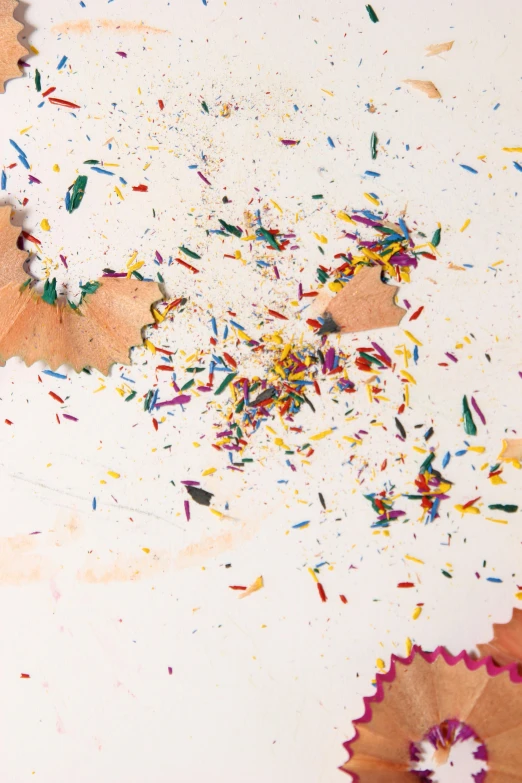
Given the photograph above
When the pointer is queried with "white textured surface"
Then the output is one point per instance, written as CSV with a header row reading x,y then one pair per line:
x,y
265,688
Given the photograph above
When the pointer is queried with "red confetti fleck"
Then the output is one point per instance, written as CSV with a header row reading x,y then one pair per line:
x,y
61,102
343,599
30,238
416,314
277,315
140,188
320,588
229,360
55,397
237,587
48,92
406,584
25,676
161,104
189,266
8,422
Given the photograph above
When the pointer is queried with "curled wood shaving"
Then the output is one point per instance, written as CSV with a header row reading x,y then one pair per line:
x,y
428,88
511,450
426,691
506,646
98,334
364,303
10,47
438,48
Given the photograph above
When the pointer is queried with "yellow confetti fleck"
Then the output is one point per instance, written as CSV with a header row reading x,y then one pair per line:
x,y
321,435
372,199
467,510
313,574
512,149
465,225
56,167
408,377
498,521
208,472
113,474
519,595
327,92
145,549
380,665
276,205
417,612
408,645
412,337
45,225
413,559
343,216
254,587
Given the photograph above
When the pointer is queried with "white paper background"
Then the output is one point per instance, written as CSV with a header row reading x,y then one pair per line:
x,y
265,688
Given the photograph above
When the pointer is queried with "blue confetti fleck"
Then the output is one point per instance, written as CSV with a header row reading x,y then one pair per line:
x,y
517,165
372,174
102,171
62,62
330,141
468,168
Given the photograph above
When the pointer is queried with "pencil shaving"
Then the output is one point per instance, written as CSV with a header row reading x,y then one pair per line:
x,y
506,646
434,49
438,699
364,303
11,50
98,334
427,87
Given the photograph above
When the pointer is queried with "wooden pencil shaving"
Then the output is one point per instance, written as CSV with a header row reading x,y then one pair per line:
x,y
428,88
436,699
506,646
11,258
434,49
11,50
364,303
98,334
511,450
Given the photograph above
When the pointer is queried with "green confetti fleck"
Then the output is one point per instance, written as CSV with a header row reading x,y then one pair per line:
x,y
318,195
77,192
373,145
435,240
205,107
91,162
131,396
469,424
371,13
230,228
268,237
189,253
222,386
38,80
49,293
446,574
